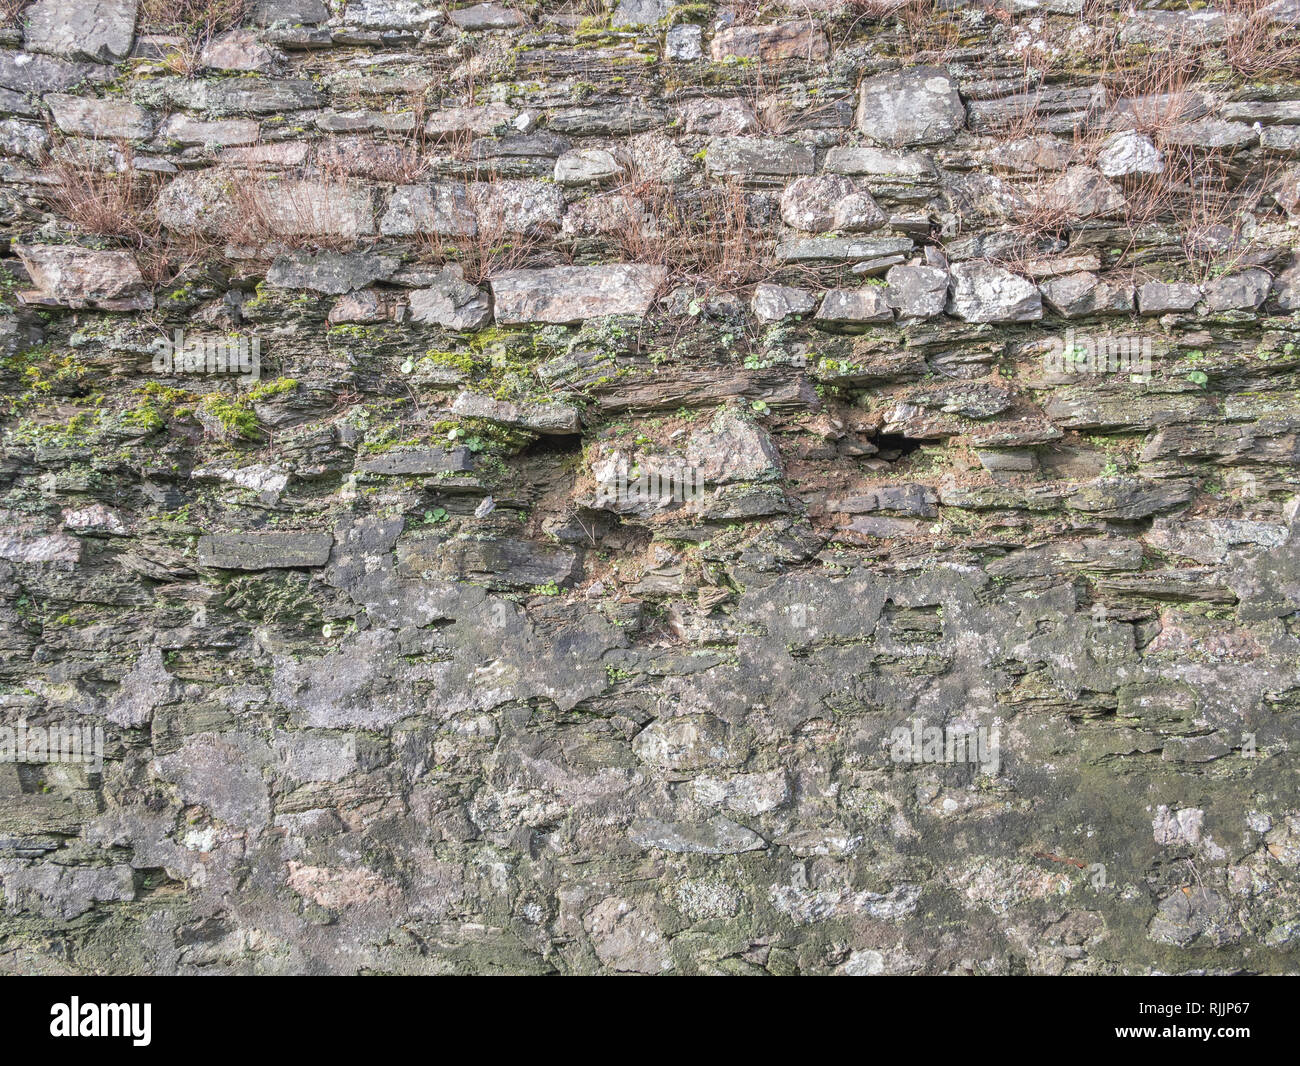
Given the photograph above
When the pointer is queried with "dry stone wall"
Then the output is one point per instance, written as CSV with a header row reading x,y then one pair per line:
x,y
805,487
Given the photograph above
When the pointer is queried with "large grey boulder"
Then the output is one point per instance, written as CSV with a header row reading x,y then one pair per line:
x,y
450,301
829,202
100,30
74,276
983,292
106,120
772,303
917,291
908,107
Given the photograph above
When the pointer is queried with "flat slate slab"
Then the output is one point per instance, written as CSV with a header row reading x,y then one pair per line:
x,y
264,551
569,295
419,462
81,29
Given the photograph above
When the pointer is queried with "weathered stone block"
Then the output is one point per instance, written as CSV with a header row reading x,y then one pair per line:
x,y
573,294
264,551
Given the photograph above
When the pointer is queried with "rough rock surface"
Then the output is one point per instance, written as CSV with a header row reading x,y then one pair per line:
x,y
650,489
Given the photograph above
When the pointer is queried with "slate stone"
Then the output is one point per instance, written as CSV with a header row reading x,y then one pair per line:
x,y
983,292
418,462
771,43
773,303
26,72
264,551
910,107
443,209
98,30
450,301
544,418
330,272
853,306
1157,297
916,291
573,294
757,158
108,120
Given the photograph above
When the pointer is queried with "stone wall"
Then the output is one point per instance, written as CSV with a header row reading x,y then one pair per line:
x,y
543,489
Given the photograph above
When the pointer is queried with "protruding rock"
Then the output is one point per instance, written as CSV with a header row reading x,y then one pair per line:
x,y
728,116
330,272
732,448
828,202
1129,152
442,209
773,303
265,551
543,418
488,16
108,120
100,30
772,42
78,277
1077,295
1082,192
854,306
757,159
451,302
318,208
982,292
573,294
1244,290
908,107
585,166
917,291
1158,297
517,206
240,49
